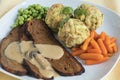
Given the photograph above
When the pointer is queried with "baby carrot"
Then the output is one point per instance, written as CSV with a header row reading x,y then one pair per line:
x,y
114,46
92,34
113,39
115,49
91,62
102,35
86,43
107,40
95,44
110,54
102,46
93,51
95,34
109,49
91,56
77,52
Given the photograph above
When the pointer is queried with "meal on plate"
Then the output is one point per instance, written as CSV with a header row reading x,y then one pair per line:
x,y
34,46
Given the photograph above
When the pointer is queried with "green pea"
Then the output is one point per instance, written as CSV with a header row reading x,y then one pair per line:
x,y
20,18
25,16
30,12
46,9
39,17
21,22
26,11
33,10
21,10
30,18
42,11
34,15
67,10
37,7
28,15
36,11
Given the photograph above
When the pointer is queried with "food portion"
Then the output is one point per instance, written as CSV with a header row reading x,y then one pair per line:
x,y
35,11
90,15
11,65
73,33
96,49
56,14
67,65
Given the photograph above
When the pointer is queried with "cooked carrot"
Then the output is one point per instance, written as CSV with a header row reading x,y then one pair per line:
x,y
91,56
93,51
95,34
107,40
113,39
92,34
91,62
102,35
115,49
102,47
77,52
95,44
107,43
109,49
110,54
114,46
74,49
86,43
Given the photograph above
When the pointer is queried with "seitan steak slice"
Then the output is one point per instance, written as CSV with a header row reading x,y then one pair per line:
x,y
41,34
32,69
8,64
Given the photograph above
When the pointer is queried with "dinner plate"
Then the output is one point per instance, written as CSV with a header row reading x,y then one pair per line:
x,y
92,72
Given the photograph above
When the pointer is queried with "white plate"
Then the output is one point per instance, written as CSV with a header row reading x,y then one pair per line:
x,y
111,26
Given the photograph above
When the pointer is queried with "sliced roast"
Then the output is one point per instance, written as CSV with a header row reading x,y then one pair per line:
x,y
6,63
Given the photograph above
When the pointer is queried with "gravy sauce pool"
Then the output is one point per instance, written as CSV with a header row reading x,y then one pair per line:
x,y
13,52
50,51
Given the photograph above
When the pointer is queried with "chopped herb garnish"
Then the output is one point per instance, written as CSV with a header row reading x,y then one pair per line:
x,y
80,11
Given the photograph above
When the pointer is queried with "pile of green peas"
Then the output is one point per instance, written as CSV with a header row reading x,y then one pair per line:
x,y
35,11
